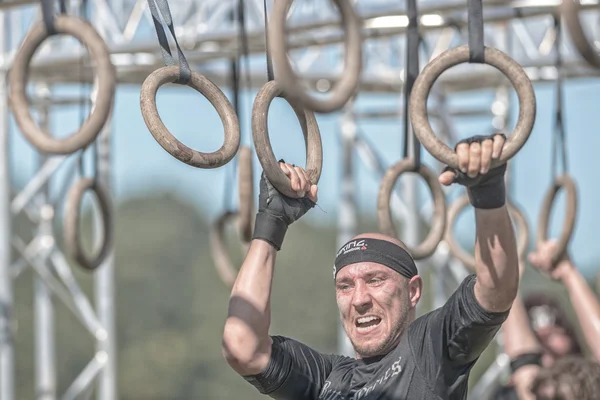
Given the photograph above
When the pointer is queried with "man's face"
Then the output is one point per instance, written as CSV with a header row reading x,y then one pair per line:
x,y
556,343
375,304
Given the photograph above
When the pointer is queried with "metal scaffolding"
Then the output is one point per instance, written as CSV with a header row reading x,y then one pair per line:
x,y
210,39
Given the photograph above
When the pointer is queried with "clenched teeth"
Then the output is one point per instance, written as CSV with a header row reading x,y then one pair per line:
x,y
364,320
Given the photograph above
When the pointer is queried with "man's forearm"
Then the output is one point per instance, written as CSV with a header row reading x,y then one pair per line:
x,y
496,259
246,334
586,307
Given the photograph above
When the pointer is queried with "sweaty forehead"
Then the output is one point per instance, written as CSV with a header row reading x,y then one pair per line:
x,y
358,270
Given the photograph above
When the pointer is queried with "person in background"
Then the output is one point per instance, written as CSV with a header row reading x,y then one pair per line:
x,y
538,336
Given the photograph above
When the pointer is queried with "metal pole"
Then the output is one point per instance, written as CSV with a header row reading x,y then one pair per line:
x,y
104,288
106,350
7,364
43,304
347,216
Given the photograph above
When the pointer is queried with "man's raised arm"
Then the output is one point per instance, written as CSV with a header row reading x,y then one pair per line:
x,y
246,341
496,256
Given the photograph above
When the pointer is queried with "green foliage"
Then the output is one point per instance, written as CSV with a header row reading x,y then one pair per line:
x,y
171,306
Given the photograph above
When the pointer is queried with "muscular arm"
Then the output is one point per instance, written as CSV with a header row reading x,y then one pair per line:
x,y
584,302
246,341
496,260
277,366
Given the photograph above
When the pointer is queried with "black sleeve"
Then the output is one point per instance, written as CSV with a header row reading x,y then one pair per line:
x,y
295,371
456,333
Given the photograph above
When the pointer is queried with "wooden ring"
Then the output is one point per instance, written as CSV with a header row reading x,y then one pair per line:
x,y
562,182
448,59
168,142
348,83
72,219
467,258
569,10
246,194
262,143
438,222
19,74
227,272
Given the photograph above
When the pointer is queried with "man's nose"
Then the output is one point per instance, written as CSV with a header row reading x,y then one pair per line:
x,y
361,298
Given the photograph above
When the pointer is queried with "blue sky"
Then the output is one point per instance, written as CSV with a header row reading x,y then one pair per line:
x,y
142,167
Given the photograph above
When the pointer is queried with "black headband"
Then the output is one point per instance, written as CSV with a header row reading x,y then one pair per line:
x,y
378,251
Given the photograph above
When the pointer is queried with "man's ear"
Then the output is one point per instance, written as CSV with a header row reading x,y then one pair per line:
x,y
415,286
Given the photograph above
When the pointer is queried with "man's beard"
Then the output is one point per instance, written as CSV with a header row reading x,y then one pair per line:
x,y
384,346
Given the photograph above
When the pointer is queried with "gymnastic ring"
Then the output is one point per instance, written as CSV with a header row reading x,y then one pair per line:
x,y
18,76
348,83
509,67
569,10
467,258
246,193
168,142
227,272
562,182
72,218
438,222
262,143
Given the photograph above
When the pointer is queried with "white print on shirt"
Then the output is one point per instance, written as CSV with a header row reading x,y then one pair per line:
x,y
394,370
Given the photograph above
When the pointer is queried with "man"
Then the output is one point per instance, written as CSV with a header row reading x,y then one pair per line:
x,y
377,290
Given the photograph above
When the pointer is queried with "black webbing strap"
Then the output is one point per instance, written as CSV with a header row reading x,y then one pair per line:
x,y
82,113
48,14
184,69
559,142
270,75
413,40
244,40
475,26
235,86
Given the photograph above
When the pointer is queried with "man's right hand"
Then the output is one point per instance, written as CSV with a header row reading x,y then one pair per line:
x,y
277,211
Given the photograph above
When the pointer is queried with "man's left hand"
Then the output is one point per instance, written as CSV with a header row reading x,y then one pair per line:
x,y
475,155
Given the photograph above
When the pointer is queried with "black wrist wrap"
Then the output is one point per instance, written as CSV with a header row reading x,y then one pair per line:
x,y
485,191
525,359
489,195
270,229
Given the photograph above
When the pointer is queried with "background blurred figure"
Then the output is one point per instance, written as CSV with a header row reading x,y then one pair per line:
x,y
570,378
554,331
538,334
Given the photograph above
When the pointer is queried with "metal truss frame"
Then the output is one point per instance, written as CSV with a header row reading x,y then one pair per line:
x,y
53,276
209,34
210,37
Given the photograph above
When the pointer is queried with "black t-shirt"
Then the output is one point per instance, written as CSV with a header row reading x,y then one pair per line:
x,y
432,361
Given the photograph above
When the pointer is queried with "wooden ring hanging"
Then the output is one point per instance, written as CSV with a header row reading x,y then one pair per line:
x,y
347,85
166,139
262,143
450,58
19,73
569,10
566,183
438,222
73,245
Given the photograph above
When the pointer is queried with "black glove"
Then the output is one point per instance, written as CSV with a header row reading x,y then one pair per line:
x,y
486,191
276,212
